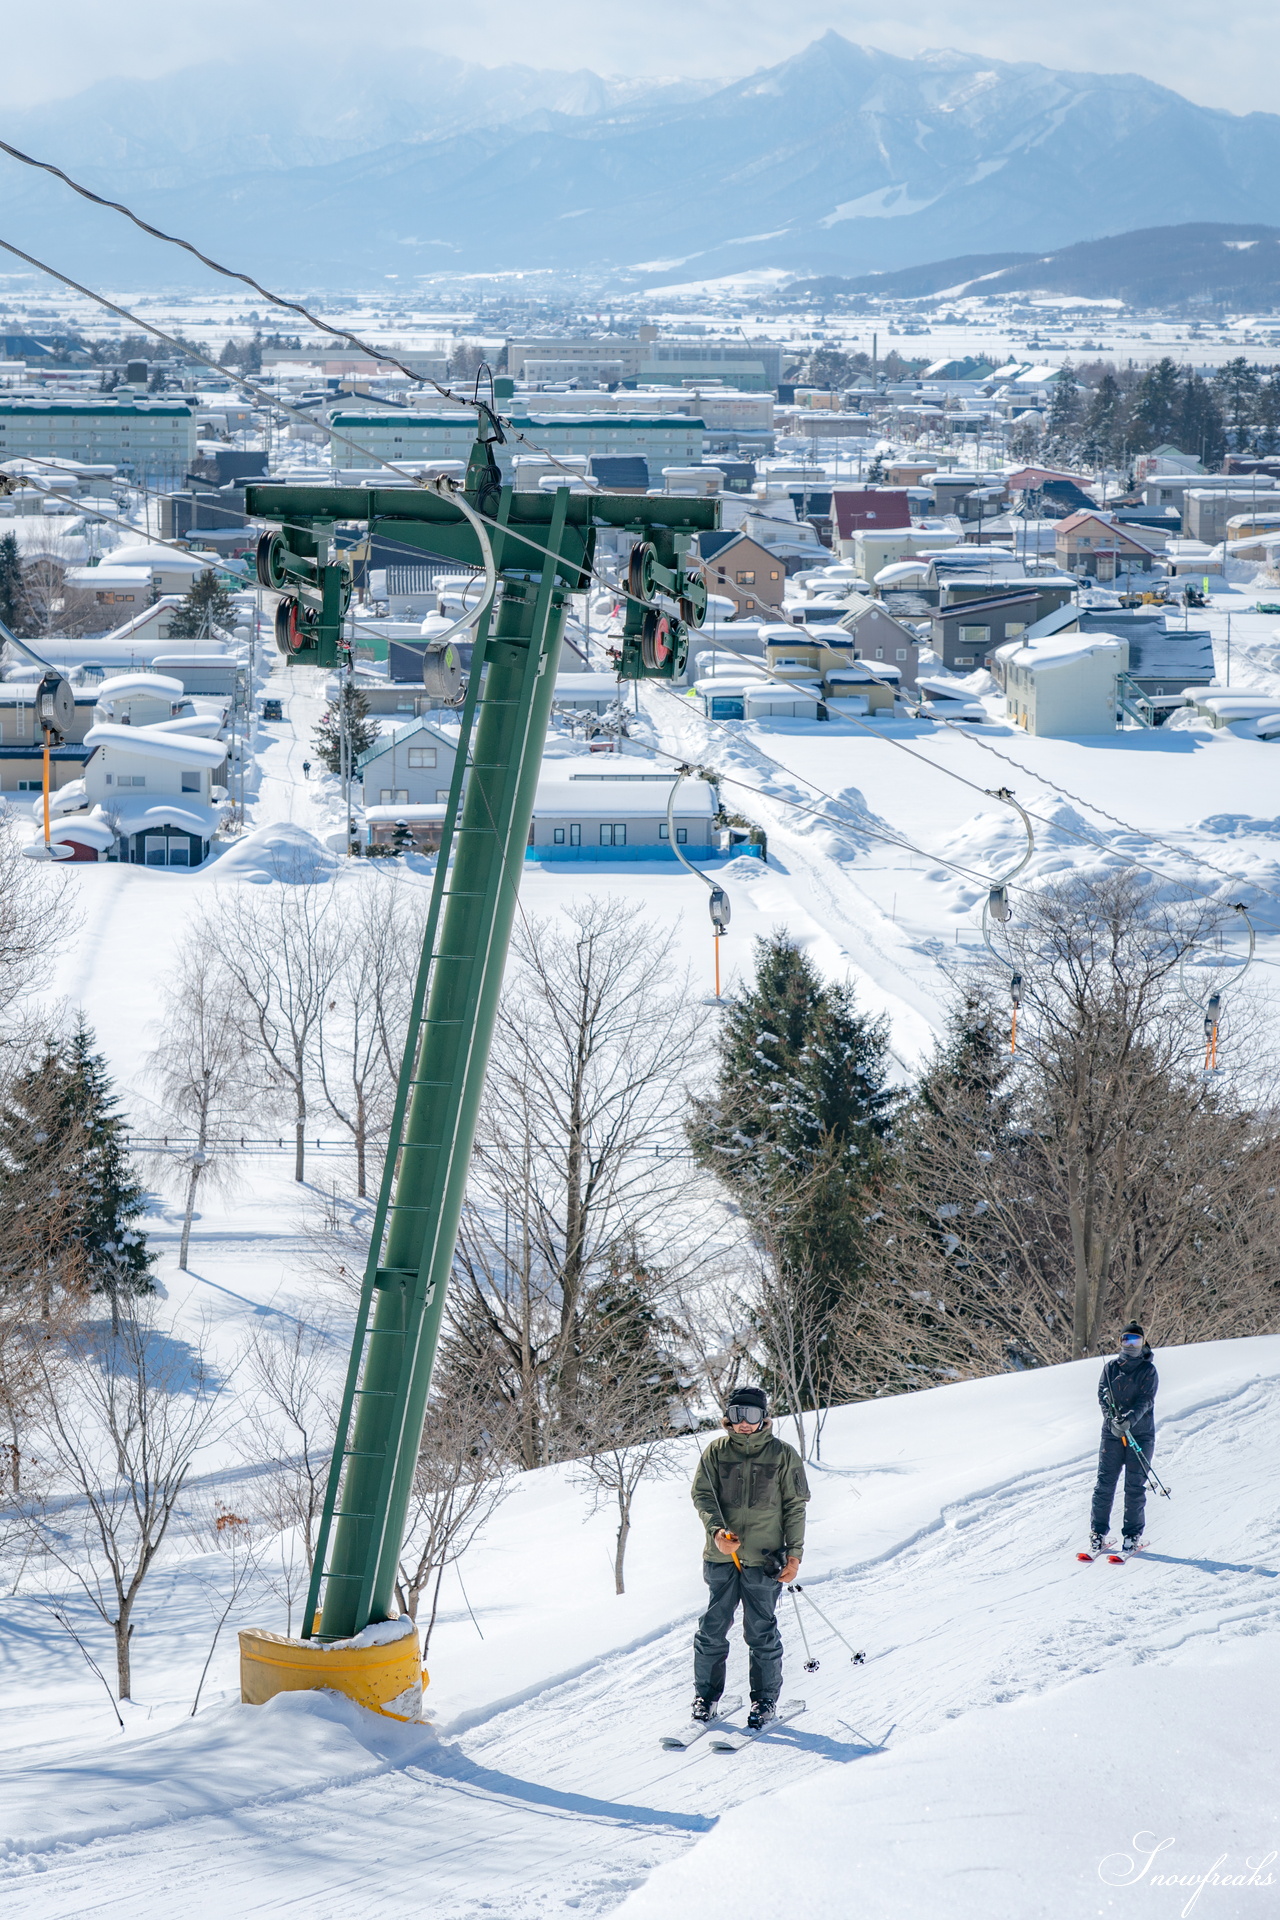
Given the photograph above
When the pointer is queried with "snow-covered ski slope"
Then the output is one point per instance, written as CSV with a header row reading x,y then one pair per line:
x,y
1020,1715
1019,1720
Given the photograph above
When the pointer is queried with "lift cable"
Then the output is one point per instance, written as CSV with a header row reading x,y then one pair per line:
x,y
278,300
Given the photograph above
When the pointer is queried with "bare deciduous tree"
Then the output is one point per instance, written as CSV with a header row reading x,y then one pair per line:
x,y
122,1432
291,1387
282,949
595,1041
360,1041
1100,1174
460,1481
200,1068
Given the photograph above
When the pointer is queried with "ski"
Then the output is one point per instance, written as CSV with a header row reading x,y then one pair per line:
x,y
685,1736
739,1737
1085,1556
1119,1559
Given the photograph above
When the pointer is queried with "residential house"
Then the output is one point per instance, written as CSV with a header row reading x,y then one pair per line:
x,y
1064,684
1092,543
832,668
866,510
411,765
742,570
141,699
597,807
22,741
149,797
965,632
880,638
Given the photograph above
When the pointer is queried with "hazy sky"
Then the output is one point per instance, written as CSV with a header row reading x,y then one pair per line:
x,y
1221,56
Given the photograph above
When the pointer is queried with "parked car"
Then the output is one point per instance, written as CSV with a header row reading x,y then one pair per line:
x,y
272,710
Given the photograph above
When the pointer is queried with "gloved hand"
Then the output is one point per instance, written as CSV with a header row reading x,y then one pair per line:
x,y
1119,1425
726,1542
789,1571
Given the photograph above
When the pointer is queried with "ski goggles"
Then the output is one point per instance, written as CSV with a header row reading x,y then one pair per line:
x,y
1132,1340
746,1416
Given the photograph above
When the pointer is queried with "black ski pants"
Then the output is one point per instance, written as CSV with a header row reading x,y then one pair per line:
x,y
1112,1456
759,1593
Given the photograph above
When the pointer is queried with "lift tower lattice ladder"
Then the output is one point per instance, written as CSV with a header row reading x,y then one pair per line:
x,y
503,726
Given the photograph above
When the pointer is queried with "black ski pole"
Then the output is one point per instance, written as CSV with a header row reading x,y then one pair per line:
x,y
810,1665
795,1588
1147,1467
1128,1440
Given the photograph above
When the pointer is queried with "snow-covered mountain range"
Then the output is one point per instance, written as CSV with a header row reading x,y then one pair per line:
x,y
842,159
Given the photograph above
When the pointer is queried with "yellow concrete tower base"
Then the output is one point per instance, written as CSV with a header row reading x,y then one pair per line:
x,y
380,1669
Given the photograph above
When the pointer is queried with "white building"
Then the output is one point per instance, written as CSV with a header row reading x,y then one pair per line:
x,y
148,439
614,807
661,439
141,699
148,797
1064,684
410,765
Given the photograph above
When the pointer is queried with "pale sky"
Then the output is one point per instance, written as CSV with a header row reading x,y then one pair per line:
x,y
1224,56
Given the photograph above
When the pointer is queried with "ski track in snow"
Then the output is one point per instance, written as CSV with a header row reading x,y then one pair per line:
x,y
565,1802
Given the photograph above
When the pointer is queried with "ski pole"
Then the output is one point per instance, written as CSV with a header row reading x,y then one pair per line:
x,y
1147,1468
810,1665
1128,1440
795,1587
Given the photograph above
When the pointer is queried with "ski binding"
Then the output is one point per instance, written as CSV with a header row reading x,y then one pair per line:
x,y
685,1736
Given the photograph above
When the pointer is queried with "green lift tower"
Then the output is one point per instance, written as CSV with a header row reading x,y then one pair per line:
x,y
535,549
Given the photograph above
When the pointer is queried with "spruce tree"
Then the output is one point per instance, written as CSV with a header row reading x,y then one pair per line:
x,y
66,1184
206,604
11,588
1106,424
1157,406
1237,388
1201,429
118,1261
1063,425
795,1127
362,731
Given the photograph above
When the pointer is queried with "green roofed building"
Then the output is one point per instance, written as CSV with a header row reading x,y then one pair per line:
x,y
672,440
147,439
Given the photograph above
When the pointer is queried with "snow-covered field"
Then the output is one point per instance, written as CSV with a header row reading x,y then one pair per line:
x,y
1021,1720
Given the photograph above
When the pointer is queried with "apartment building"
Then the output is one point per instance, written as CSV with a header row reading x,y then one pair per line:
x,y
147,439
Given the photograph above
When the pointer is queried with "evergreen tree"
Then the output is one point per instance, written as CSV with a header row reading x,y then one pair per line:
x,y
1237,388
11,589
1063,425
1157,409
795,1125
63,1152
362,731
1201,429
1269,413
401,837
875,472
205,605
1106,425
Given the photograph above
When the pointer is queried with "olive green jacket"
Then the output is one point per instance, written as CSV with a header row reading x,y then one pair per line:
x,y
754,1485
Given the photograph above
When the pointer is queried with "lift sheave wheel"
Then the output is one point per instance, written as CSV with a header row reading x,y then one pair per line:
x,y
693,599
270,562
289,634
655,640
641,581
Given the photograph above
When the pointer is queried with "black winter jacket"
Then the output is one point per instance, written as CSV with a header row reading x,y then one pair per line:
x,y
1132,1384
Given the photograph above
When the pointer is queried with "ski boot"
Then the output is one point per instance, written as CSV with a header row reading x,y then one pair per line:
x,y
703,1710
1132,1543
762,1712
1098,1543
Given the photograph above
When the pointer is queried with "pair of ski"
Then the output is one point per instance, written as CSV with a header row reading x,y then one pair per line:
x,y
1113,1559
725,1738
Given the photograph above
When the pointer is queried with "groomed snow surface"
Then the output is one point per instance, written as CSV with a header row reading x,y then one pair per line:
x,y
1021,1720
1023,1726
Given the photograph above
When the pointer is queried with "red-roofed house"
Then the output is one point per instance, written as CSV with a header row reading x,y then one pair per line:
x,y
866,510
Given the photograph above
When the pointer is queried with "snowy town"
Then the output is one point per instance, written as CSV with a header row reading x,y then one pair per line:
x,y
640,1253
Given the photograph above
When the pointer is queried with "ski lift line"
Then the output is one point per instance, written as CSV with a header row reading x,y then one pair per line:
x,y
278,300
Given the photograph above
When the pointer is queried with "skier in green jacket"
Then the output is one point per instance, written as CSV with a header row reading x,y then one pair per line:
x,y
750,1491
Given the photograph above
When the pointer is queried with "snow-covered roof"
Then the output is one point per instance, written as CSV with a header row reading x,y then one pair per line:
x,y
141,815
424,812
630,787
159,684
1061,650
206,726
145,554
158,743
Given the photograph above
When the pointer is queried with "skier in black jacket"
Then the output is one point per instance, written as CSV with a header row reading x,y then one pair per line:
x,y
1127,1396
